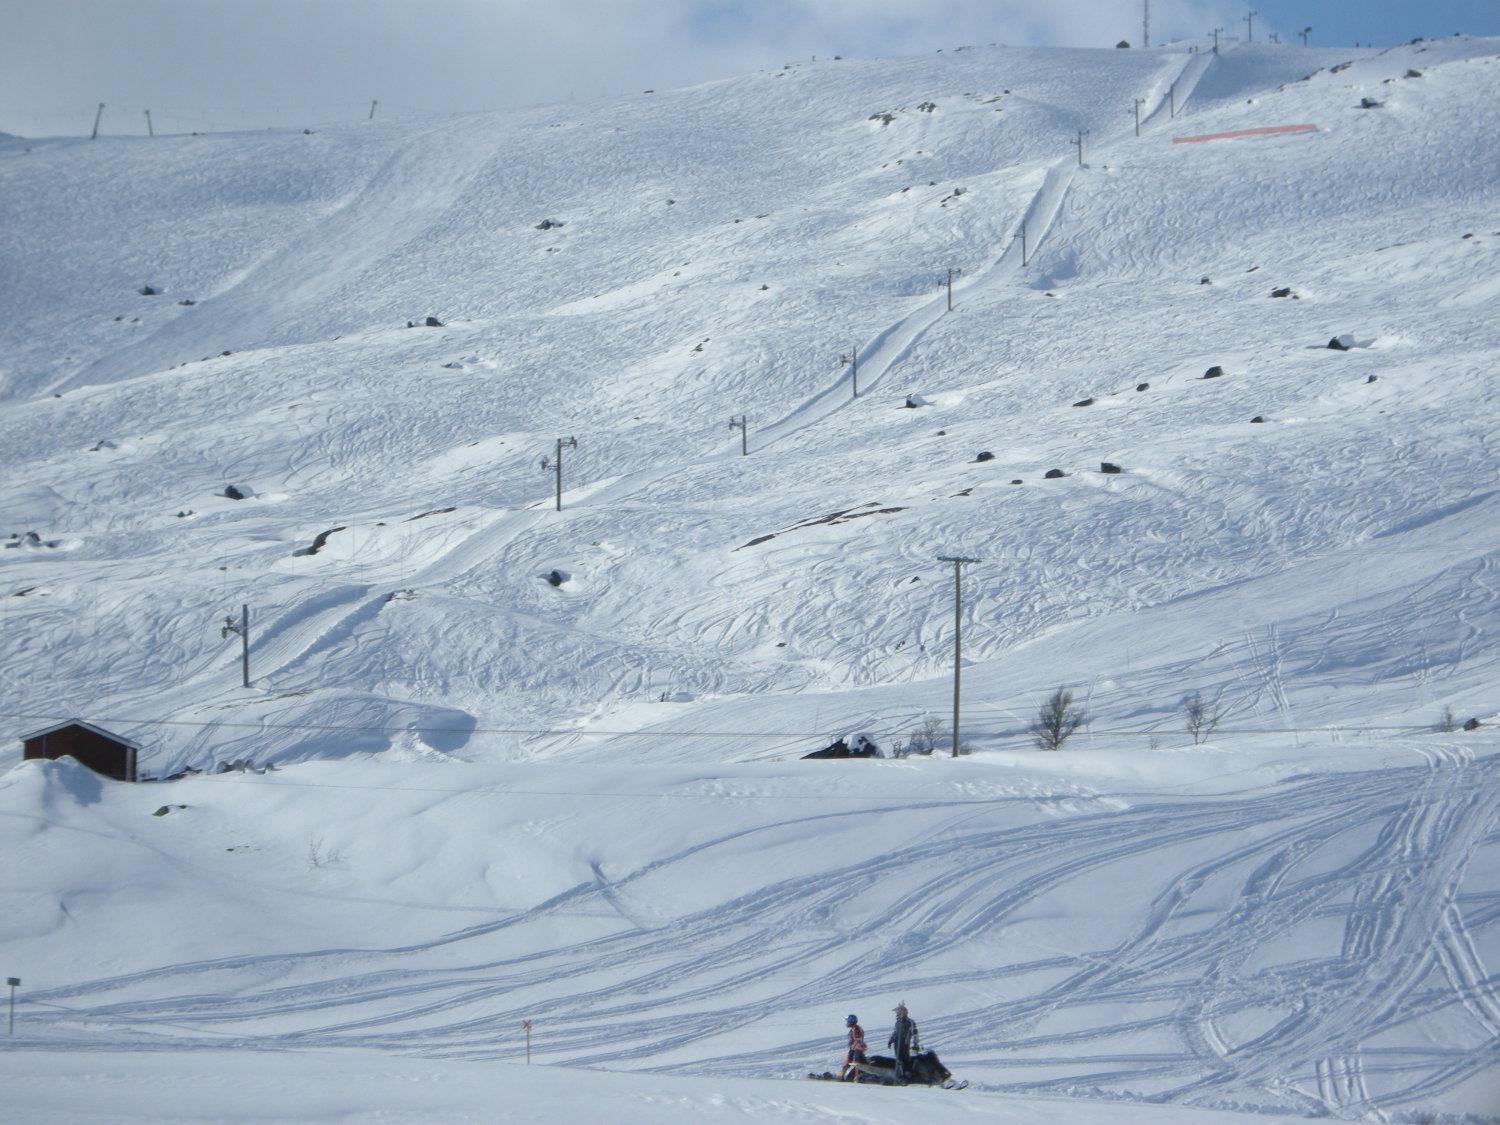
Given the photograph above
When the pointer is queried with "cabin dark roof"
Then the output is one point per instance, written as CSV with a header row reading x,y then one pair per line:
x,y
100,731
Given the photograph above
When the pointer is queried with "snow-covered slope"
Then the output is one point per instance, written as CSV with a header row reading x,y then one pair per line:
x,y
1249,923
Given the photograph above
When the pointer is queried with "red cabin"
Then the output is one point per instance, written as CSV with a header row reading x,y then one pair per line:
x,y
96,748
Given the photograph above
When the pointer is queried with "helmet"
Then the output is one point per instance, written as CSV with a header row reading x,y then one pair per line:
x,y
850,1021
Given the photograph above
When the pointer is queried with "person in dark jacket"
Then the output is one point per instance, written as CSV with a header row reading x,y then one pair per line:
x,y
903,1041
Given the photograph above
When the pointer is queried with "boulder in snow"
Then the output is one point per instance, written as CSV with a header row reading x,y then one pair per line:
x,y
1143,386
549,224
432,322
1214,372
1054,474
1109,467
1471,724
148,291
985,455
1341,343
234,492
558,577
1372,378
914,401
1284,291
1084,402
1257,419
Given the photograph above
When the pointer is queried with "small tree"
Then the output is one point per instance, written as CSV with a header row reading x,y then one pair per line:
x,y
927,737
1056,720
1201,718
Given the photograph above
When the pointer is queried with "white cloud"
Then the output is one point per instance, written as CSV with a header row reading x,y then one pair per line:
x,y
239,63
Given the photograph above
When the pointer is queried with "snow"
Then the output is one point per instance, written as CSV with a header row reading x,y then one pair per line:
x,y
583,805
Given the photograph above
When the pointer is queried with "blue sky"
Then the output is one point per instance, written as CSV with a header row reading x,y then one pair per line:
x,y
219,64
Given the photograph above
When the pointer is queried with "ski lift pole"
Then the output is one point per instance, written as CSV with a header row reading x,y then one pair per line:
x,y
14,983
526,1027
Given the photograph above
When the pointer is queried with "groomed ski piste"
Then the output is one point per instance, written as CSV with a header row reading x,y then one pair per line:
x,y
498,799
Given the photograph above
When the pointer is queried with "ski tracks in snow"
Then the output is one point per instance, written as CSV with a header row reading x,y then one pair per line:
x,y
1221,959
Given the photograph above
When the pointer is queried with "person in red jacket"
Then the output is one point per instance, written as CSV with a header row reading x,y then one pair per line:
x,y
856,1054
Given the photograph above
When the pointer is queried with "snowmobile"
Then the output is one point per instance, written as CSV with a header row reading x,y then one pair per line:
x,y
923,1070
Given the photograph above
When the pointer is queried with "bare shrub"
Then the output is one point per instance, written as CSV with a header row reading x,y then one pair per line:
x,y
319,854
1056,720
928,736
1201,717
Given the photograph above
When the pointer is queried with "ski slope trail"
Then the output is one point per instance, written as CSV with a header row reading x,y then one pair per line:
x,y
1199,1000
876,359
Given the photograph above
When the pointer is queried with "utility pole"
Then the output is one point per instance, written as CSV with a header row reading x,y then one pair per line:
x,y
373,104
958,623
1081,134
555,463
1145,23
242,627
1305,32
150,132
1138,102
740,424
1216,39
1250,26
98,114
14,982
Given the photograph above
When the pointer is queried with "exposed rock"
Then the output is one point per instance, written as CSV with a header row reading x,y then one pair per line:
x,y
148,291
857,746
1285,291
234,493
549,224
1054,474
1214,372
1471,724
1016,481
558,577
914,401
1370,103
985,455
1414,73
926,107
432,322
1143,386
1341,343
1205,281
1123,44
1258,418
1372,378
1109,467
1084,402
184,301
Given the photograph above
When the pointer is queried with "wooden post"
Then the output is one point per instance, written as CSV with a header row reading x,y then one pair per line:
x,y
950,288
150,132
14,983
373,104
98,114
958,621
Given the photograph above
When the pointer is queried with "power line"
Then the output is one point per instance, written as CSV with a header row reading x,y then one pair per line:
x,y
1345,728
